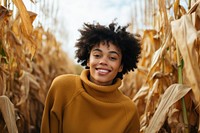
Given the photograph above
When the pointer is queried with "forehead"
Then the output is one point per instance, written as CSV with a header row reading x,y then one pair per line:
x,y
108,46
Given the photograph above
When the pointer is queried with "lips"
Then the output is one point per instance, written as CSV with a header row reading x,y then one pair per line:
x,y
102,71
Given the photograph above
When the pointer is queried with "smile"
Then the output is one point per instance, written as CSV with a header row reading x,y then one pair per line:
x,y
103,71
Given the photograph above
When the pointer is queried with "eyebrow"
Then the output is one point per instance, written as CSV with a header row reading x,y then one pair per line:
x,y
111,52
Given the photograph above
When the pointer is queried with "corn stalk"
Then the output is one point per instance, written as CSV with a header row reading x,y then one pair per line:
x,y
180,69
180,64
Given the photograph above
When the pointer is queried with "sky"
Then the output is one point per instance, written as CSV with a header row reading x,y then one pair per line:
x,y
76,12
65,17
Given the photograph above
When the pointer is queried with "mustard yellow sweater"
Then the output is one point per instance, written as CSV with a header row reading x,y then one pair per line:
x,y
76,105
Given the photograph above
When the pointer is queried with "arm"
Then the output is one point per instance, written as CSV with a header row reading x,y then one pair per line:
x,y
60,93
134,124
50,122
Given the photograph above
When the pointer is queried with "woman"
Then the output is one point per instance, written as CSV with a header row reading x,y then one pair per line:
x,y
91,102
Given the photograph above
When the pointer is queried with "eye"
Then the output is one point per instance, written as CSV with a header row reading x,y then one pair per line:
x,y
113,58
97,55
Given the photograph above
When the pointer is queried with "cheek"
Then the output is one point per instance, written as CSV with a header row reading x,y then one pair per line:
x,y
91,61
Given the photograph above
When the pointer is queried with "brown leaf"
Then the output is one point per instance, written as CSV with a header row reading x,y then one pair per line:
x,y
176,8
194,7
173,93
197,20
8,112
185,35
4,13
24,15
32,16
2,82
25,87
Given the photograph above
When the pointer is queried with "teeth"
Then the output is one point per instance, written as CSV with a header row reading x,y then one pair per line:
x,y
103,71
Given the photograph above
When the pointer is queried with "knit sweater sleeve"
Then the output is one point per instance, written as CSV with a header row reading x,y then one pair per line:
x,y
59,94
134,124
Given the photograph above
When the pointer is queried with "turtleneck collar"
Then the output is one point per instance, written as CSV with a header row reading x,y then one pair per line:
x,y
103,93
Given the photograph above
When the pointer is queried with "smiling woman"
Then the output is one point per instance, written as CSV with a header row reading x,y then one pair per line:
x,y
104,63
107,53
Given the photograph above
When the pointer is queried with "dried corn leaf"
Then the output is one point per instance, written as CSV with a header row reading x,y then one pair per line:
x,y
8,112
4,17
32,16
173,93
194,7
176,8
129,85
28,90
14,51
159,53
149,104
15,27
2,87
25,87
173,118
2,82
162,6
143,91
4,13
197,22
24,15
147,48
29,41
182,10
185,35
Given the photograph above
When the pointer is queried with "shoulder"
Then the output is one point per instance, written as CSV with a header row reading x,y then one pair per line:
x,y
65,83
65,79
64,88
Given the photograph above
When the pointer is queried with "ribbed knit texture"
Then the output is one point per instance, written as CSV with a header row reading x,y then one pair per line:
x,y
76,105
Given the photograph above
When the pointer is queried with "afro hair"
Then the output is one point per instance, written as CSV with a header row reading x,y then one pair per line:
x,y
93,34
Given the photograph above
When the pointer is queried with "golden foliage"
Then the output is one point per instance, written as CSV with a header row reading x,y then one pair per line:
x,y
154,86
29,60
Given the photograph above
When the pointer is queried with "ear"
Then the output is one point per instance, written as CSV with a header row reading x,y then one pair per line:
x,y
88,63
120,68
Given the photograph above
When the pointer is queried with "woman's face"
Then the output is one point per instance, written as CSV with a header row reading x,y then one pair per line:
x,y
104,63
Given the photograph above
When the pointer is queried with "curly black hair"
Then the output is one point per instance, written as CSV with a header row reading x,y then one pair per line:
x,y
93,34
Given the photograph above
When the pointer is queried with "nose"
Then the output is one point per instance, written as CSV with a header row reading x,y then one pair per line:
x,y
103,61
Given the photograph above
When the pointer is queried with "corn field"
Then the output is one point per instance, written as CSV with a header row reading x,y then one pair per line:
x,y
165,86
30,59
